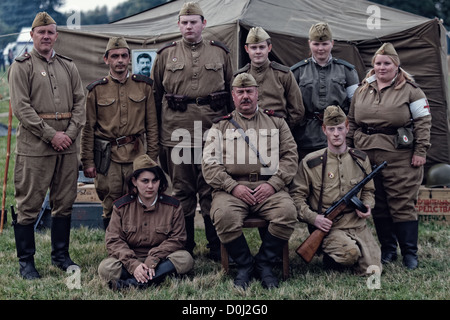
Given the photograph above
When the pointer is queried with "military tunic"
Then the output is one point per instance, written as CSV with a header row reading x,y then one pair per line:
x,y
349,240
277,90
115,110
398,184
332,84
37,87
228,161
137,234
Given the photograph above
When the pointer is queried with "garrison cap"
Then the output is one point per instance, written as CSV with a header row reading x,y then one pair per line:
x,y
387,49
333,116
244,80
320,32
143,162
42,19
257,35
191,8
117,43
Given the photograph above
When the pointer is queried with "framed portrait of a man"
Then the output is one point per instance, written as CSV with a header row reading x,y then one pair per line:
x,y
142,61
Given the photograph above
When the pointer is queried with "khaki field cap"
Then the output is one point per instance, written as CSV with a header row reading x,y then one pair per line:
x,y
387,49
320,32
256,35
116,43
244,80
42,19
191,8
333,116
143,162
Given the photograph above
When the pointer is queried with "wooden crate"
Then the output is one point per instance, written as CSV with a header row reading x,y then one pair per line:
x,y
433,204
86,193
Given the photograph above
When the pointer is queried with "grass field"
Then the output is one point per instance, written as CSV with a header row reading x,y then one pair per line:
x,y
207,283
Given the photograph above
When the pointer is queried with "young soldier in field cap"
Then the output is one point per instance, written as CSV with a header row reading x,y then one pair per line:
x,y
323,80
120,110
324,177
192,86
278,90
48,100
250,181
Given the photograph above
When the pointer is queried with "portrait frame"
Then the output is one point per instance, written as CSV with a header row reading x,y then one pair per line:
x,y
139,54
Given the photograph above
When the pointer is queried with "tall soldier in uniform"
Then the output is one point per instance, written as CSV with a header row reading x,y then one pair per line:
x,y
249,159
278,90
324,177
121,114
323,81
191,78
48,100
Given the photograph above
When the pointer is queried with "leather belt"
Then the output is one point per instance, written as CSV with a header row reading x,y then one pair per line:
x,y
56,115
124,140
252,177
371,130
201,101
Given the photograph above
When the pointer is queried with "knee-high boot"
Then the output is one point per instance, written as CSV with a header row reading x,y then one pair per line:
x,y
240,253
271,248
60,238
213,239
190,232
388,241
26,248
407,235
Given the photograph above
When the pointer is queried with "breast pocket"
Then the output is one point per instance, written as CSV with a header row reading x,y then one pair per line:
x,y
306,87
162,232
130,233
214,72
137,101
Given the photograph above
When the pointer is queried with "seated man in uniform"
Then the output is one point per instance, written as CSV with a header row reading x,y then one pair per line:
x,y
250,156
349,241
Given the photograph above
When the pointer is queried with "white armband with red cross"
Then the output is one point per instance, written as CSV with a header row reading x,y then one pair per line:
x,y
419,108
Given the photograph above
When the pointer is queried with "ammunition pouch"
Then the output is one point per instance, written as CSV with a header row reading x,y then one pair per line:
x,y
102,155
404,138
219,100
177,102
216,100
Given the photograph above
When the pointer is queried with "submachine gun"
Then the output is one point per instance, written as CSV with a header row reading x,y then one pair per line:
x,y
309,247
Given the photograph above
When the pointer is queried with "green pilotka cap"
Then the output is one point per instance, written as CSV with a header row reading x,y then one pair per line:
x,y
190,8
320,32
42,19
143,162
333,116
244,80
256,35
116,43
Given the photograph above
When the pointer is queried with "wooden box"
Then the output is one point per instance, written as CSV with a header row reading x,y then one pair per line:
x,y
86,193
433,204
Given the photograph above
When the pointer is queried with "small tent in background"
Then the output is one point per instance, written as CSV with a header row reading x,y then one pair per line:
x,y
359,28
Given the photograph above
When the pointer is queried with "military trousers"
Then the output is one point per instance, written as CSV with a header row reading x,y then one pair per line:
x,y
35,176
397,185
353,247
228,214
188,184
113,185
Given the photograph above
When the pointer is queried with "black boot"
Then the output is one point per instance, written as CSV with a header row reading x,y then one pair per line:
x,y
240,253
271,248
60,237
388,240
26,248
407,234
106,222
164,269
213,239
190,232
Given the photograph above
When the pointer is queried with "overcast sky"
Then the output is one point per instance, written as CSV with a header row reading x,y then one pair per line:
x,y
86,5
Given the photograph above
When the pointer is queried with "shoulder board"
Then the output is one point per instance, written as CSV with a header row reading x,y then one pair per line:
x,y
300,63
242,70
355,153
220,45
280,67
412,83
345,63
167,45
273,113
64,57
92,85
171,201
128,198
24,57
142,78
218,119
314,162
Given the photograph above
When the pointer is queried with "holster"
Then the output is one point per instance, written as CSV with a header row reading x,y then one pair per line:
x,y
102,155
177,102
219,100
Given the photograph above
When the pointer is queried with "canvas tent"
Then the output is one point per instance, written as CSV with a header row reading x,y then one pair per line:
x,y
359,28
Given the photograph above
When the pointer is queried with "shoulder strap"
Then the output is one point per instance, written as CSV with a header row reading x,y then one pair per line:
x,y
345,63
300,63
167,45
220,45
128,198
273,113
241,70
92,85
164,198
23,57
280,67
142,78
218,119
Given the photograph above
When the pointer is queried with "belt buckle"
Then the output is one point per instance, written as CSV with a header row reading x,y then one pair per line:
x,y
370,130
56,115
253,177
119,144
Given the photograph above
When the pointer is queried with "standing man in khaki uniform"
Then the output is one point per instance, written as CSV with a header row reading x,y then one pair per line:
x,y
120,109
192,78
323,81
48,100
278,90
349,241
251,178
